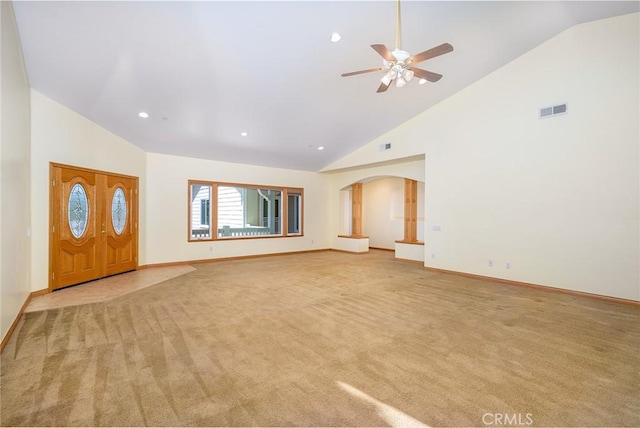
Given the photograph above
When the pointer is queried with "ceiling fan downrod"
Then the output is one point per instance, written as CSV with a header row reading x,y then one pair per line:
x,y
398,71
398,32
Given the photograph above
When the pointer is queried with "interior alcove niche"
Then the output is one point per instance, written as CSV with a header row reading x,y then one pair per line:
x,y
375,212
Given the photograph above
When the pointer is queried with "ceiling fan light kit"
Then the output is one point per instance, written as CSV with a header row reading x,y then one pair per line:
x,y
391,74
399,64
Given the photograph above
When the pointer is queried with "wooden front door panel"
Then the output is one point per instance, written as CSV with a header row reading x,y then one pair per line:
x,y
85,241
121,214
76,244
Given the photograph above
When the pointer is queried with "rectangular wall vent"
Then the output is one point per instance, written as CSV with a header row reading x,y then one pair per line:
x,y
553,110
385,146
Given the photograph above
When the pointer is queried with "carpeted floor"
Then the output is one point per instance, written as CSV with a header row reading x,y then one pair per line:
x,y
325,339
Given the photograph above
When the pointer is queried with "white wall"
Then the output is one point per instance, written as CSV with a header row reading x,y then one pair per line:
x,y
166,200
557,198
383,211
14,170
60,135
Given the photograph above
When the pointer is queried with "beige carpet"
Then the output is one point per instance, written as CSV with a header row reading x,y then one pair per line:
x,y
325,339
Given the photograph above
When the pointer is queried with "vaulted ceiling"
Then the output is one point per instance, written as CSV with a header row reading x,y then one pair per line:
x,y
206,72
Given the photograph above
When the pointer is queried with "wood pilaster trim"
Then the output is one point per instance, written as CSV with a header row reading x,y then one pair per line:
x,y
410,210
356,209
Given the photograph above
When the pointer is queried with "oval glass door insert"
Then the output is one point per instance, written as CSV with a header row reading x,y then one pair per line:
x,y
118,211
78,210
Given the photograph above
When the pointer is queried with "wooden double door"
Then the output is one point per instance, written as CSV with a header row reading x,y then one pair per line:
x,y
94,225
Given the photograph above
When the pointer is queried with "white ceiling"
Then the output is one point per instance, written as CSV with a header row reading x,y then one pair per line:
x,y
207,71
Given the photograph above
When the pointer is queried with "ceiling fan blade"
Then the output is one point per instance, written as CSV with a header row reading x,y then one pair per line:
x,y
424,74
384,52
431,53
353,73
383,87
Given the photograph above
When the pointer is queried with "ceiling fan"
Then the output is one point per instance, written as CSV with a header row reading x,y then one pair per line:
x,y
400,65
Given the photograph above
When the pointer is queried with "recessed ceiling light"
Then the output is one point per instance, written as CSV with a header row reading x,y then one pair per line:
x,y
335,37
143,114
244,134
321,148
422,81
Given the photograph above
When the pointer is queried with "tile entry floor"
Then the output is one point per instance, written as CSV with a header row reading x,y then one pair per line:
x,y
105,289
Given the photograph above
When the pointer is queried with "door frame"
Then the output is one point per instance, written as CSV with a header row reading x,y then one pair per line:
x,y
54,217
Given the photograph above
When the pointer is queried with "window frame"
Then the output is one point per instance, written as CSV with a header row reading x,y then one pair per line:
x,y
300,197
285,191
212,200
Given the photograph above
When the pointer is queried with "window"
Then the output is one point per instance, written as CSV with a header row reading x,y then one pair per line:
x,y
294,213
205,212
248,211
199,211
243,211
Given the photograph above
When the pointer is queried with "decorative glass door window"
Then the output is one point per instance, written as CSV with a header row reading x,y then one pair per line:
x,y
119,211
78,210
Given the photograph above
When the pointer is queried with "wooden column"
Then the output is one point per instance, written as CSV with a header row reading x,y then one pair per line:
x,y
410,210
356,210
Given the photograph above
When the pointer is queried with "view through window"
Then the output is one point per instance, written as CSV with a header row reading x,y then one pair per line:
x,y
243,211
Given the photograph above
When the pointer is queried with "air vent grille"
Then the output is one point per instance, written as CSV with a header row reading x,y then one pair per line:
x,y
562,108
553,111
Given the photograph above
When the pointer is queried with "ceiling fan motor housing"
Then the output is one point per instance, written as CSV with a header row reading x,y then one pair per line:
x,y
401,56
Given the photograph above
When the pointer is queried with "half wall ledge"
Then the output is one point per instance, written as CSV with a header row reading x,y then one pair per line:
x,y
410,250
352,244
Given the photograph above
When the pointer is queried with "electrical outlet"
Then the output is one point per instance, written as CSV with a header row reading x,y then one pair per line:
x,y
490,263
433,255
508,265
